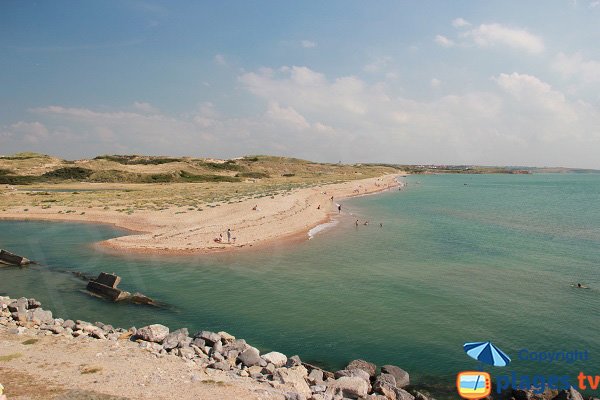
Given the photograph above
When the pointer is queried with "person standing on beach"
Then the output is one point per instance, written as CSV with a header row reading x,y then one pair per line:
x,y
339,208
356,223
228,235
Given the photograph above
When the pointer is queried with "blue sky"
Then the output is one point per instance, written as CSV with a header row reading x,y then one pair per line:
x,y
461,82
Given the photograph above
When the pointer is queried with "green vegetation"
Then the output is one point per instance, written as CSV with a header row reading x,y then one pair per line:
x,y
30,341
138,160
256,175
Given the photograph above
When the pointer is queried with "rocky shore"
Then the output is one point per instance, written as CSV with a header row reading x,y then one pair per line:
x,y
219,352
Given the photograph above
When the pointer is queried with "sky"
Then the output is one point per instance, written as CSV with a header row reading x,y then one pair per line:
x,y
417,82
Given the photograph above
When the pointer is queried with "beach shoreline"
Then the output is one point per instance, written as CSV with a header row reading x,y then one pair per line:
x,y
280,218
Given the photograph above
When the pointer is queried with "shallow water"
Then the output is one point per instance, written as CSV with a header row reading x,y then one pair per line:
x,y
490,260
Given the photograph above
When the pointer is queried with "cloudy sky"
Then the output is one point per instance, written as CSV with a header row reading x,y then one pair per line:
x,y
506,82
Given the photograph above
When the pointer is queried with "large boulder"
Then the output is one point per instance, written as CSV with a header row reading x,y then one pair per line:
x,y
386,385
20,306
402,377
368,367
350,386
39,316
173,339
294,379
250,357
402,394
356,373
209,337
275,358
153,333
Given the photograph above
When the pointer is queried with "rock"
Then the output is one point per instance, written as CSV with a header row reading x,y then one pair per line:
x,y
33,303
57,329
173,339
208,337
268,370
315,377
97,334
255,370
153,333
420,396
351,387
402,377
277,359
294,361
570,394
39,316
402,394
356,373
217,348
68,324
294,396
226,337
200,343
318,388
368,367
238,344
19,305
385,384
293,378
221,365
250,357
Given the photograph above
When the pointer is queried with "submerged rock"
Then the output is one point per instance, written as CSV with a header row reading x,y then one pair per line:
x,y
402,377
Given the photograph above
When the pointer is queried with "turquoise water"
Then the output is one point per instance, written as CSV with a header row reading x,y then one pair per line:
x,y
490,260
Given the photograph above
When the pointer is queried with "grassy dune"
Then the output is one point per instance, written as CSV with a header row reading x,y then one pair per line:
x,y
130,183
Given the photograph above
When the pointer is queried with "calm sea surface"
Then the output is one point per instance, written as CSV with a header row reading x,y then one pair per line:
x,y
459,258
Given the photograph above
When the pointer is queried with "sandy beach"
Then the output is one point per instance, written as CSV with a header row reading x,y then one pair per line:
x,y
180,230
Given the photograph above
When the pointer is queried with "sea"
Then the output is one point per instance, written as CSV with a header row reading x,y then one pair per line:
x,y
447,260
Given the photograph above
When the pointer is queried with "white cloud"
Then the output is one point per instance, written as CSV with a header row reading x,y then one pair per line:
x,y
145,107
490,35
220,60
594,4
287,115
574,66
435,83
444,41
378,64
460,23
304,113
308,44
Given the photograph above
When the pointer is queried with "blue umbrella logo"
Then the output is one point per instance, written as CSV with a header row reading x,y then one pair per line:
x,y
487,353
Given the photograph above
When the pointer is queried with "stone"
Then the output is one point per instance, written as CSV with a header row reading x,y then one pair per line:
x,y
153,333
385,384
19,305
217,348
17,331
366,366
208,336
33,303
12,259
293,378
402,377
276,358
269,369
293,361
351,387
316,376
318,388
294,396
173,339
69,324
402,394
39,316
355,373
198,343
238,344
187,353
226,337
221,365
250,357
570,394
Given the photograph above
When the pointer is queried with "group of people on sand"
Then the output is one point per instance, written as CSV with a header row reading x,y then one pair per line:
x,y
230,238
